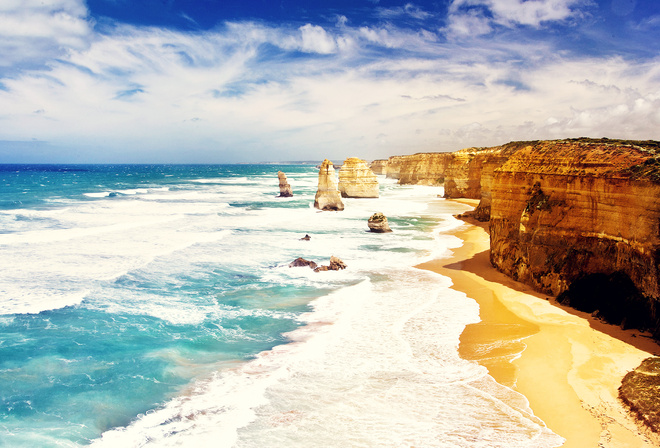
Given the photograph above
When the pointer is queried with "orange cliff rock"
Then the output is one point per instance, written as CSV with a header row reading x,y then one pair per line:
x,y
356,180
563,209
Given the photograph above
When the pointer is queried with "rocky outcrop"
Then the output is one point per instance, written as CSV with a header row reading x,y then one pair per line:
x,y
640,390
335,265
565,209
285,188
302,263
356,180
327,195
378,223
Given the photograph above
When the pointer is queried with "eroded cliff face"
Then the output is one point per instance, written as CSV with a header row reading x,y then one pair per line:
x,y
564,212
379,166
484,164
563,209
356,180
423,168
392,169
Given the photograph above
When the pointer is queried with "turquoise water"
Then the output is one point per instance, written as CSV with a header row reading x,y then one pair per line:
x,y
154,305
116,347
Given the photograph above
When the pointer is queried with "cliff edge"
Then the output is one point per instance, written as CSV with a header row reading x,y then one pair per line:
x,y
562,210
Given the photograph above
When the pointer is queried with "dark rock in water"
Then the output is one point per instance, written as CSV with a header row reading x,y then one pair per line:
x,y
285,188
613,298
640,390
335,265
306,238
301,262
378,223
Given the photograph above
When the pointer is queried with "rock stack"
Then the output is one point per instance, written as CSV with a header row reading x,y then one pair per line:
x,y
356,180
327,195
285,188
378,223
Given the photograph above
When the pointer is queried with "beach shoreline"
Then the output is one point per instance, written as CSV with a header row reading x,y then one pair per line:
x,y
567,364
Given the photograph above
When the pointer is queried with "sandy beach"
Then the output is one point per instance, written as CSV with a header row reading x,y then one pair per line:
x,y
568,364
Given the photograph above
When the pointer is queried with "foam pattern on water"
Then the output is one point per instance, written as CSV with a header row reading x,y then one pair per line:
x,y
155,305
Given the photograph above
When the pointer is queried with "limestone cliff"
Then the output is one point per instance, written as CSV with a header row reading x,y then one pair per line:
x,y
567,208
327,194
474,178
356,180
423,168
392,169
564,210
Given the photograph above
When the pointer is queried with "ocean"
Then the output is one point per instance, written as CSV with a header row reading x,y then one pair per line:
x,y
153,305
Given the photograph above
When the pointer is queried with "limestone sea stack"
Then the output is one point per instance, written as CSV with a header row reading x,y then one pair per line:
x,y
285,188
378,223
356,180
379,166
327,195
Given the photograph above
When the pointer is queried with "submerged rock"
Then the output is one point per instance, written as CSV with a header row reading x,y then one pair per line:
x,y
285,188
327,195
301,262
640,390
378,223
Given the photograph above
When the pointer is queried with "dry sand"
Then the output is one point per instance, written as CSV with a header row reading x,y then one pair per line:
x,y
568,364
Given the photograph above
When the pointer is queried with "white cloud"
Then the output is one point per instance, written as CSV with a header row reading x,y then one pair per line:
x,y
376,92
532,12
476,17
470,23
316,40
409,9
34,30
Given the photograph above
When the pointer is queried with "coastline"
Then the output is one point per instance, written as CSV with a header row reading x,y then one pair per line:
x,y
566,363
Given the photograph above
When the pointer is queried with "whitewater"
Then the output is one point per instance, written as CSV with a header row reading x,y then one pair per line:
x,y
154,306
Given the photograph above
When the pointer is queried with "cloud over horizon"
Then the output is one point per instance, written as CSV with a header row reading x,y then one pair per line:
x,y
254,90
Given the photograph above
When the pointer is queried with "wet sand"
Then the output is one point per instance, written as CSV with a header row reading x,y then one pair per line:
x,y
568,364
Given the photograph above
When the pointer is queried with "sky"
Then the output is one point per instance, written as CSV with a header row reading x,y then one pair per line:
x,y
231,81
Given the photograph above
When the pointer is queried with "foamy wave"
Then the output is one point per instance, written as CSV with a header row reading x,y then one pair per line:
x,y
378,361
36,300
127,192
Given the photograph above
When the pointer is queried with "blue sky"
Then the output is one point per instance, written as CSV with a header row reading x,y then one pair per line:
x,y
209,81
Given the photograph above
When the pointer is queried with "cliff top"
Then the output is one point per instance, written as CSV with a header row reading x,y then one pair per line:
x,y
586,157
